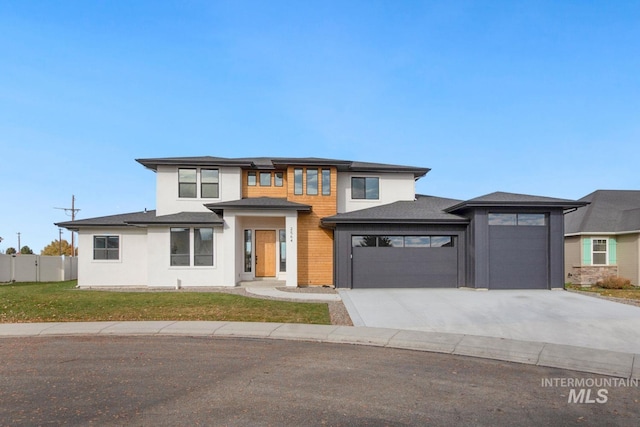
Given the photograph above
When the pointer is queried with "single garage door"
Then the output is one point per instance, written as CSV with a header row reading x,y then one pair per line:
x,y
404,262
518,251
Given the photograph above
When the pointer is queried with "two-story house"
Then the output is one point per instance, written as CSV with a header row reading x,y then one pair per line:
x,y
310,221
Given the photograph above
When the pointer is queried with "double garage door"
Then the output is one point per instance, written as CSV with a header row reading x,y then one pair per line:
x,y
404,262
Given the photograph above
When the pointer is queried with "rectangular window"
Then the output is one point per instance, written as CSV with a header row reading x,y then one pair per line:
x,y
326,182
283,250
187,184
106,247
521,219
248,251
599,250
265,179
403,241
531,219
251,179
180,254
209,183
297,181
503,219
277,179
312,182
203,246
365,188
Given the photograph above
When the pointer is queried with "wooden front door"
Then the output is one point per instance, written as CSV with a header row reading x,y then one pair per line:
x,y
265,253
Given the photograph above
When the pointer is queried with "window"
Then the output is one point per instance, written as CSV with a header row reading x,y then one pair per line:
x,y
187,184
283,250
297,181
248,251
312,182
599,251
326,182
277,179
203,246
209,183
521,219
365,188
106,247
265,179
180,254
251,179
402,241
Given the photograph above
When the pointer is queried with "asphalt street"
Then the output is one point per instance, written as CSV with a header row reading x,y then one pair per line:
x,y
109,380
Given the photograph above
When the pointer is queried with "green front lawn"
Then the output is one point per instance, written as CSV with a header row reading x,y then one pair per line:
x,y
61,302
632,293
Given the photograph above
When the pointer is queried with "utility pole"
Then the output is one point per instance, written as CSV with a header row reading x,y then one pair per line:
x,y
59,241
71,211
18,242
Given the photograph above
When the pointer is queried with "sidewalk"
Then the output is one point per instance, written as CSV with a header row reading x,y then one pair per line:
x,y
616,364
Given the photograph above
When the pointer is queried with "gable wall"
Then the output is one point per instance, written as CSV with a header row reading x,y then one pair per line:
x,y
628,257
394,187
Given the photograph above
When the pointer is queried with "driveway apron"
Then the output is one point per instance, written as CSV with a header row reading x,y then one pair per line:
x,y
558,317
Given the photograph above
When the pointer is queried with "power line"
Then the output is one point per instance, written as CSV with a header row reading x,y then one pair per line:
x,y
72,212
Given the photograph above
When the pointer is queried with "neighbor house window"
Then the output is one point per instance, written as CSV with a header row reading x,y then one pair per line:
x,y
599,251
283,250
251,179
277,179
248,251
365,188
326,182
297,181
521,219
180,254
203,246
312,182
210,183
187,183
106,247
265,179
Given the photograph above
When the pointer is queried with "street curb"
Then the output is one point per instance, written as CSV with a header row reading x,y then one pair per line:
x,y
611,363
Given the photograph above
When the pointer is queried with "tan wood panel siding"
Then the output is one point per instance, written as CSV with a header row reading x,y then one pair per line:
x,y
260,191
315,244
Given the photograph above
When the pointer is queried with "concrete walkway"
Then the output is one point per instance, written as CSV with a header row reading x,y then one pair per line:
x,y
617,364
273,292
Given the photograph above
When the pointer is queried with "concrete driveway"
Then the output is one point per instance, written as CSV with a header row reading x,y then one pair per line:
x,y
558,317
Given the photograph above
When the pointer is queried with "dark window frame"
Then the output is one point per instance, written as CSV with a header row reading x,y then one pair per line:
x,y
298,181
312,182
264,174
366,185
184,186
278,179
206,184
252,182
326,182
108,252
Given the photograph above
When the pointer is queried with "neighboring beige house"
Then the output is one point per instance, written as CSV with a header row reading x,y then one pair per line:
x,y
603,239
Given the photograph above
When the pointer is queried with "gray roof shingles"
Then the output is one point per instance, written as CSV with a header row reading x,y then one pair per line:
x,y
425,209
609,211
259,203
144,218
500,198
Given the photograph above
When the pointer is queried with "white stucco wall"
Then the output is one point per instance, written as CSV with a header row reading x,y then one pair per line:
x,y
129,270
393,187
168,202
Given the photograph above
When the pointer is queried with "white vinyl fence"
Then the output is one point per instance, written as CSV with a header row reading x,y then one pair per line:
x,y
37,268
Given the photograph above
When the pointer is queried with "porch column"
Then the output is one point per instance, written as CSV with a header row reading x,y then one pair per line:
x,y
227,250
291,226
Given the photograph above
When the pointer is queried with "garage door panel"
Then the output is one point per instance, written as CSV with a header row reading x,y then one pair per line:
x,y
518,257
404,267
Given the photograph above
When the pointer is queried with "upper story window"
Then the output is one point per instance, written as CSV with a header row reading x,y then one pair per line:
x,y
187,183
265,179
210,183
106,247
326,182
251,179
297,181
277,179
599,251
312,182
365,188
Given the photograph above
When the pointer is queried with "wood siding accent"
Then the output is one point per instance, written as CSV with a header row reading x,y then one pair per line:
x,y
315,244
265,253
260,191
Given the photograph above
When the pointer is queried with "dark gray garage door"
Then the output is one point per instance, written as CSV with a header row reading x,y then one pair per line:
x,y
519,256
419,265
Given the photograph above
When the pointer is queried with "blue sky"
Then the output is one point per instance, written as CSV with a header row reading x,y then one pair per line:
x,y
530,97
